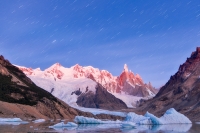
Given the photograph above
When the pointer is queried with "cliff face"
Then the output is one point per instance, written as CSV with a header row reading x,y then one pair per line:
x,y
181,92
133,84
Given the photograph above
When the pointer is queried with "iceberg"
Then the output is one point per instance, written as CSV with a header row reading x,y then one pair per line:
x,y
152,120
87,120
171,116
10,120
133,117
39,120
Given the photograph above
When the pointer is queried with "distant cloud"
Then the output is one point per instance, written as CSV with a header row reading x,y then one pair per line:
x,y
53,41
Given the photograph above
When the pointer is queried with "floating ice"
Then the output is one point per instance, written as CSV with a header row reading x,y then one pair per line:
x,y
152,119
10,120
39,120
170,117
133,117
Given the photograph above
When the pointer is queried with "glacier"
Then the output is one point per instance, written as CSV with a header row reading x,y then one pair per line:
x,y
87,120
95,111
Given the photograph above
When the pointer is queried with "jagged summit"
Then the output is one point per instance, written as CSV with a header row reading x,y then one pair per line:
x,y
56,65
125,68
185,71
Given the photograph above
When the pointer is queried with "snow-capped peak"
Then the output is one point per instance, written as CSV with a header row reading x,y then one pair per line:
x,y
54,66
38,69
125,68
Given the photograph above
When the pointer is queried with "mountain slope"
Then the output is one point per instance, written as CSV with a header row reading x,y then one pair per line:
x,y
100,99
61,82
20,97
181,92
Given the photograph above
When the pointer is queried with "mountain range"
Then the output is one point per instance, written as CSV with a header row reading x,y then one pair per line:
x,y
77,82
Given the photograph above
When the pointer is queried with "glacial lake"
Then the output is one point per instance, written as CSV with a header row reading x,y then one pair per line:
x,y
16,127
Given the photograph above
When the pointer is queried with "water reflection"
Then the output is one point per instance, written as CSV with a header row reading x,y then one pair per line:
x,y
165,128
153,128
104,128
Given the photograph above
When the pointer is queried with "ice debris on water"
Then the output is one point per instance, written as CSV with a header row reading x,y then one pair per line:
x,y
39,120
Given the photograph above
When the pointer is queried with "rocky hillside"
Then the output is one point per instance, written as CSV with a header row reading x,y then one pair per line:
x,y
20,97
181,92
101,99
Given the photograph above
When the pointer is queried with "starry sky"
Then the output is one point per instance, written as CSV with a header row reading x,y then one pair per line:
x,y
152,37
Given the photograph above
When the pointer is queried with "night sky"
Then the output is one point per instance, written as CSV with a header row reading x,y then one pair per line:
x,y
152,37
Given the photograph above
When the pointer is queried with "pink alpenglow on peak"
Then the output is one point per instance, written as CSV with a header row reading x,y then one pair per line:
x,y
55,71
123,86
127,82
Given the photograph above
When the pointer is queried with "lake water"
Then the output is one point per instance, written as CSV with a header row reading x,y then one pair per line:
x,y
98,128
